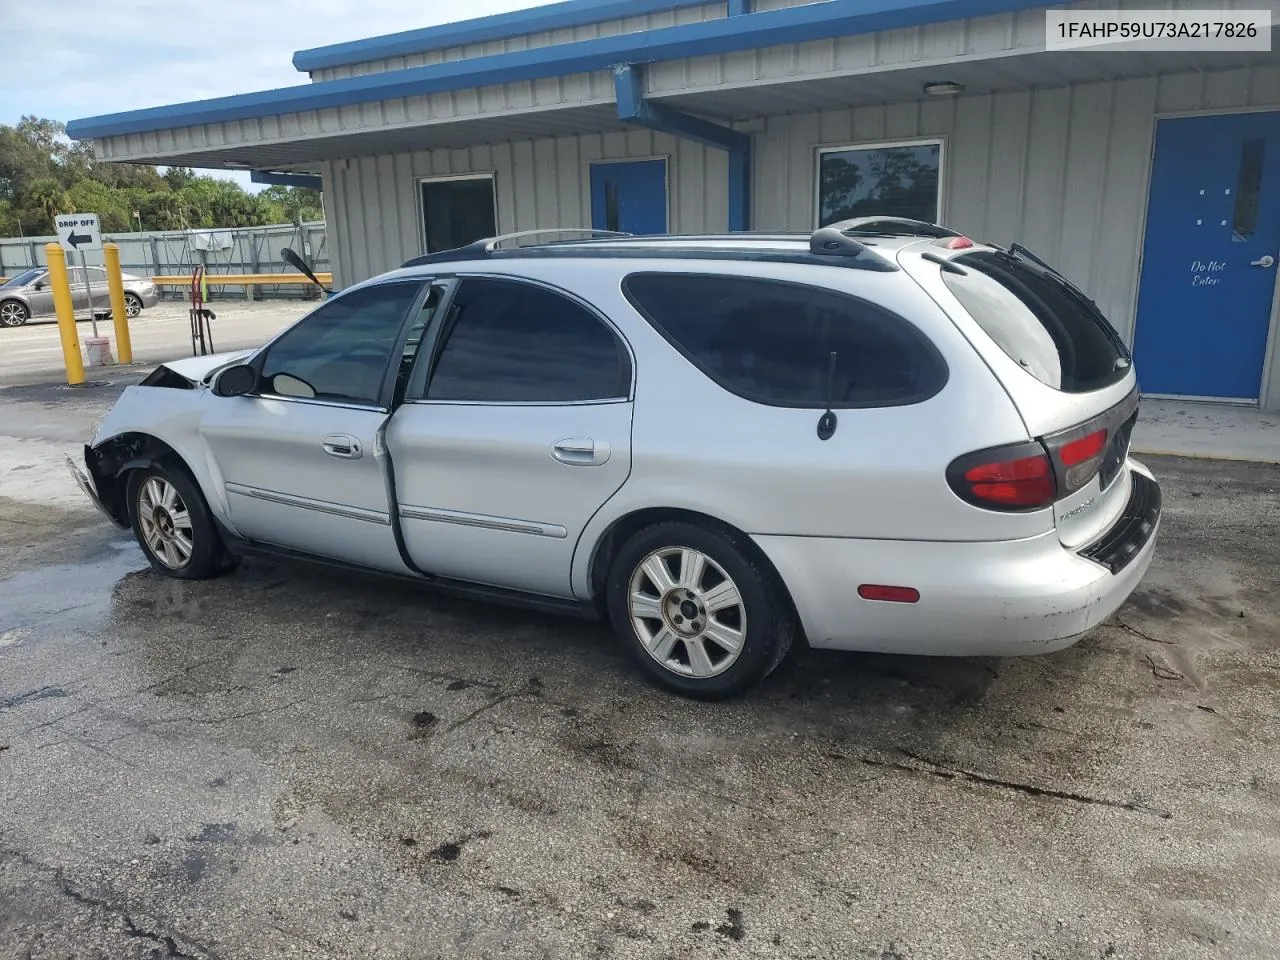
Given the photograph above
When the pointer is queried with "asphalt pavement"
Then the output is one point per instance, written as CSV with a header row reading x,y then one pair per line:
x,y
290,762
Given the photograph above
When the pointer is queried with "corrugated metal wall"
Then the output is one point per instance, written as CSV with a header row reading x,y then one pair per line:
x,y
374,207
1061,170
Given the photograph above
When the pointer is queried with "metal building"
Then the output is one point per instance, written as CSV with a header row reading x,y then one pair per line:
x,y
1152,179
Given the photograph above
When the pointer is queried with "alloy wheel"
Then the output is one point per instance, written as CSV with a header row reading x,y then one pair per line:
x,y
687,612
132,306
12,314
166,523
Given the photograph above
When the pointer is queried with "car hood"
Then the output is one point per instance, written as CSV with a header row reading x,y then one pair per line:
x,y
196,369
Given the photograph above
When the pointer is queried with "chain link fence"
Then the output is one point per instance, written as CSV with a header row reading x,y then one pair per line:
x,y
179,252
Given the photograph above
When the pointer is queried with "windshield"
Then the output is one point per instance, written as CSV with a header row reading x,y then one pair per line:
x,y
1039,319
22,279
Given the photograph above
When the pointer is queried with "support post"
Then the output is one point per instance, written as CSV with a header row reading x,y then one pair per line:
x,y
61,286
628,84
119,313
740,189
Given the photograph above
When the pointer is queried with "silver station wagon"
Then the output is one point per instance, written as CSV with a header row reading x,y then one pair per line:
x,y
881,436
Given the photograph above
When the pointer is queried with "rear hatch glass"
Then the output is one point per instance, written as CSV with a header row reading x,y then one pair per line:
x,y
1055,333
1044,323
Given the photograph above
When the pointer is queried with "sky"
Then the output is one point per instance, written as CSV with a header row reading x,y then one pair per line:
x,y
83,58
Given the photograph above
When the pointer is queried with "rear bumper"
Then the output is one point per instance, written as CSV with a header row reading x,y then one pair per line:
x,y
1007,598
149,294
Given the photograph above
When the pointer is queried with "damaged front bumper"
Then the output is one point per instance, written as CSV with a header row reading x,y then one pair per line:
x,y
82,477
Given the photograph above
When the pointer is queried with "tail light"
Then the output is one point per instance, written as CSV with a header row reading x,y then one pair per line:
x,y
1017,477
1082,458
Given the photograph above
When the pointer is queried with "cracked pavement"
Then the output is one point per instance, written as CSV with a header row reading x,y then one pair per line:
x,y
290,762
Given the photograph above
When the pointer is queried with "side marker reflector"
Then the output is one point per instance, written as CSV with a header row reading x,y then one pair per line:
x,y
876,591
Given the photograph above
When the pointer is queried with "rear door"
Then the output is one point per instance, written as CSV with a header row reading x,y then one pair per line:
x,y
515,431
1060,360
99,291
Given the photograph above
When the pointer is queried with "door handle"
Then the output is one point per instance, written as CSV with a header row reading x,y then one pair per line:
x,y
341,446
580,452
1264,261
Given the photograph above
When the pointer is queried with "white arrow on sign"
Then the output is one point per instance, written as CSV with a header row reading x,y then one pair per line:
x,y
79,231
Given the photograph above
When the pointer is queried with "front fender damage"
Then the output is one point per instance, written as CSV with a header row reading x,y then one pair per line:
x,y
147,426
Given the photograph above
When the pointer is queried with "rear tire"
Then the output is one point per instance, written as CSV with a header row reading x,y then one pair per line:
x,y
14,313
173,525
700,613
132,305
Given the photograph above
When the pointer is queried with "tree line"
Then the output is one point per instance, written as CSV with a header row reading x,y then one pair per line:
x,y
43,174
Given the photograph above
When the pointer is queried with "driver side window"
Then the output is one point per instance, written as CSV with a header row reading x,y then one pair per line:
x,y
341,351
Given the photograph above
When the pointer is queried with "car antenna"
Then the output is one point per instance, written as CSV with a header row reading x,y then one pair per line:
x,y
827,422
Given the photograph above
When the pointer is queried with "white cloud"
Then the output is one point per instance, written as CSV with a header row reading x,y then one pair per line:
x,y
83,58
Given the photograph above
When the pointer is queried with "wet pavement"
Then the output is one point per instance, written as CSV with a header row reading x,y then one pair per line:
x,y
287,762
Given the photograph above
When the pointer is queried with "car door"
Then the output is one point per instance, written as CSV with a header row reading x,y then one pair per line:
x,y
76,277
302,459
516,429
40,296
100,294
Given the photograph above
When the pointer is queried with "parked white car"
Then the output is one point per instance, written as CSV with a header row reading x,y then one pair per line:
x,y
881,437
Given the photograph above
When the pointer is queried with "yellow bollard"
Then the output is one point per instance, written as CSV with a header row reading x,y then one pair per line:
x,y
119,315
66,313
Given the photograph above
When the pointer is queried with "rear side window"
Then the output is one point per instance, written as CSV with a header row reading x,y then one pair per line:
x,y
771,342
512,342
1051,329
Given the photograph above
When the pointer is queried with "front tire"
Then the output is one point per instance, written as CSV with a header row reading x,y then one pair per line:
x,y
14,313
172,524
700,613
132,305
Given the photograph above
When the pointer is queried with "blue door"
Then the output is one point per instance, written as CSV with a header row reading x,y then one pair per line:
x,y
629,196
1209,260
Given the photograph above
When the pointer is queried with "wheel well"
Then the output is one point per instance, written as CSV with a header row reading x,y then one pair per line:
x,y
113,460
624,528
17,301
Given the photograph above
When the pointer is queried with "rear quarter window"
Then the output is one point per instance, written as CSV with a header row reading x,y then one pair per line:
x,y
1047,326
771,341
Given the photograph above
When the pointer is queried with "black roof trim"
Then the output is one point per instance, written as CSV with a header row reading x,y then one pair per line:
x,y
869,261
826,247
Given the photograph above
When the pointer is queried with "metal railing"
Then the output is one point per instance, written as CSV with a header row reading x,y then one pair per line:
x,y
167,255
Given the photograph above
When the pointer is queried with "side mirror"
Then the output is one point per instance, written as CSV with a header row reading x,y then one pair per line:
x,y
38,285
235,381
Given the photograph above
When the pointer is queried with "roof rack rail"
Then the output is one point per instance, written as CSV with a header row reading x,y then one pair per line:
x,y
891,227
826,247
483,248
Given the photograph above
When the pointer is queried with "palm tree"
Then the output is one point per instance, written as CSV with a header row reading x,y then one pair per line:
x,y
46,199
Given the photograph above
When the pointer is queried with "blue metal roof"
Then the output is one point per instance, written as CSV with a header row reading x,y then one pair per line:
x,y
553,16
813,21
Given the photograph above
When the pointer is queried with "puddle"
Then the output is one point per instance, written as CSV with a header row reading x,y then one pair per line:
x,y
65,596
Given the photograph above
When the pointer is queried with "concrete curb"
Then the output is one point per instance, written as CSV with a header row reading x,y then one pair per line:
x,y
1234,458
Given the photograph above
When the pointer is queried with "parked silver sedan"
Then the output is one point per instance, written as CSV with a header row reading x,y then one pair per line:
x,y
859,440
29,294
